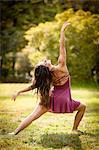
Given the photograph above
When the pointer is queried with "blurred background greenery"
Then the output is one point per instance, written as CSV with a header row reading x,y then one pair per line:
x,y
30,30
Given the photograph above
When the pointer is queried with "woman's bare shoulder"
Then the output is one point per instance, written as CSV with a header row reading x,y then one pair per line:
x,y
54,67
57,67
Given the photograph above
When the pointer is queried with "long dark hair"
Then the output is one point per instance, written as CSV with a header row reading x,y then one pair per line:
x,y
43,80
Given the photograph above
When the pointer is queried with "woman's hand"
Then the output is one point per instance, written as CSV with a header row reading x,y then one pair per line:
x,y
51,91
64,26
15,96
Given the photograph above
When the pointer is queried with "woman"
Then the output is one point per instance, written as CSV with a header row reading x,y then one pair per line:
x,y
56,99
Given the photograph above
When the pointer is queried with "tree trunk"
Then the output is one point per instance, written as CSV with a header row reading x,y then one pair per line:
x,y
13,65
1,62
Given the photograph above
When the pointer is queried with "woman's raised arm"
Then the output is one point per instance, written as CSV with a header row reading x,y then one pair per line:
x,y
62,55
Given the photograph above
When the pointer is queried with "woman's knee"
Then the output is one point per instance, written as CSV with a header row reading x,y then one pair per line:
x,y
81,107
39,111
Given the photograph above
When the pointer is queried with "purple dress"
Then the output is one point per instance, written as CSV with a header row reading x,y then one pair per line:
x,y
61,101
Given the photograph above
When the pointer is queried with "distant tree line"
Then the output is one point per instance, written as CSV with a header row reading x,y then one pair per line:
x,y
20,51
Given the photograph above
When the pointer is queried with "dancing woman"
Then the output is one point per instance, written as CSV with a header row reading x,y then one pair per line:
x,y
53,84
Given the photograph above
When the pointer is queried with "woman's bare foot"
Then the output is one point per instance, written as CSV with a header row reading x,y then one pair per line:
x,y
77,131
12,133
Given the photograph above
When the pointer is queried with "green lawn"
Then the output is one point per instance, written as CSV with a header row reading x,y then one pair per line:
x,y
51,131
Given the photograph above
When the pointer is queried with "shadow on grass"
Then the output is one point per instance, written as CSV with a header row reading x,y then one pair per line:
x,y
61,140
92,135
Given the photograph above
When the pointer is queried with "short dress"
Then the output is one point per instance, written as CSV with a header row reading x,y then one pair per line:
x,y
61,100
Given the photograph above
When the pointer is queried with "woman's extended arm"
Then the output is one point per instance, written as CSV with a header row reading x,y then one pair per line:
x,y
62,56
29,88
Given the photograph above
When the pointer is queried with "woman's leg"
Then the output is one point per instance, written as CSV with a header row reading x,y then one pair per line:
x,y
79,116
39,110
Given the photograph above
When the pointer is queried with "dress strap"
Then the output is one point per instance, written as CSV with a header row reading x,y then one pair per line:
x,y
58,80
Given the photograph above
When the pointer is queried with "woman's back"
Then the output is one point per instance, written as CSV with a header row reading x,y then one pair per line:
x,y
59,75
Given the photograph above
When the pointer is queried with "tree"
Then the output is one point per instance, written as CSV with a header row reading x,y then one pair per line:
x,y
18,16
82,41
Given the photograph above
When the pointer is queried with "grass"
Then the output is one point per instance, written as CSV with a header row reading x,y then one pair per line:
x,y
51,131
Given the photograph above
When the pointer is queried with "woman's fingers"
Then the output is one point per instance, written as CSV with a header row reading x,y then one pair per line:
x,y
65,25
14,97
68,23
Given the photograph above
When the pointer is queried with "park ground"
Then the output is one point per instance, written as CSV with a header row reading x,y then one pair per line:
x,y
51,131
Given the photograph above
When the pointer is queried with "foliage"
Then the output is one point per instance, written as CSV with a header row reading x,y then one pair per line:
x,y
18,16
81,41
